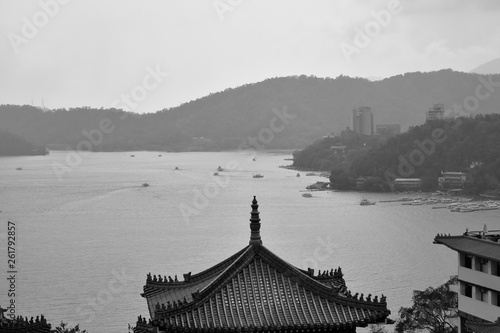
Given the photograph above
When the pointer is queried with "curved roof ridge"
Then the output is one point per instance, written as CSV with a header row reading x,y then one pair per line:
x,y
320,288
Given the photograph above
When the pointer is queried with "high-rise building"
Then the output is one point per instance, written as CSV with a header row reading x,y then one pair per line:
x,y
362,120
436,112
478,278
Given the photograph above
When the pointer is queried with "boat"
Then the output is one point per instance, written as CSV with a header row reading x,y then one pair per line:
x,y
132,155
307,195
298,174
19,168
220,168
216,173
176,168
258,176
366,202
310,174
145,185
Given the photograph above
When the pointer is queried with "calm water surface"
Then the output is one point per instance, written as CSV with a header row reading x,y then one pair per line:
x,y
87,239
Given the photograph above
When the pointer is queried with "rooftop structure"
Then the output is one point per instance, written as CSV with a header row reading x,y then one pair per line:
x,y
256,291
479,278
436,112
388,129
402,184
362,120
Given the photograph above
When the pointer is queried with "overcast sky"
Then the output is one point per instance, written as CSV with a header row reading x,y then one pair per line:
x,y
163,53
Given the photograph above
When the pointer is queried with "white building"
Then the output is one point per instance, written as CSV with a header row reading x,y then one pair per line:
x,y
479,278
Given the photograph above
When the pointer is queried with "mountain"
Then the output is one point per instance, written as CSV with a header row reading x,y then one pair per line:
x,y
11,145
490,67
283,112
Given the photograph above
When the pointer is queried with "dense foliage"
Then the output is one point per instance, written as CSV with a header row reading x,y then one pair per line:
x,y
227,119
432,310
11,145
464,144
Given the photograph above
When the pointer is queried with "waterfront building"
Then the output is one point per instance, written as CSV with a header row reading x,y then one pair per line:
x,y
388,129
254,290
478,277
452,180
435,112
23,325
405,184
362,120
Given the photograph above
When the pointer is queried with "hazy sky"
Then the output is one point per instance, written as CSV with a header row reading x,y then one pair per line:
x,y
162,53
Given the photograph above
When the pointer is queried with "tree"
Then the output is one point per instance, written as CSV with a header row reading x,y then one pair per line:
x,y
64,328
432,310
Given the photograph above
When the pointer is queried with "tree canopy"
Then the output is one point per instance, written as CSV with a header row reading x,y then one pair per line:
x,y
432,310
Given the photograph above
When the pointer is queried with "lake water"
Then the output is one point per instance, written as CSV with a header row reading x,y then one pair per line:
x,y
87,237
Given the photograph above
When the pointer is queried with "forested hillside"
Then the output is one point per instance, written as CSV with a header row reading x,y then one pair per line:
x,y
465,144
225,120
11,145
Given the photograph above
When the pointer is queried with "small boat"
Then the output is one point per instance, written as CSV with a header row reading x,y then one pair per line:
x,y
19,168
366,202
132,155
258,176
220,169
307,195
145,185
216,173
310,174
298,174
176,168
159,155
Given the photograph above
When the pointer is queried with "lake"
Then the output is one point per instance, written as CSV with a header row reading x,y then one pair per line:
x,y
88,231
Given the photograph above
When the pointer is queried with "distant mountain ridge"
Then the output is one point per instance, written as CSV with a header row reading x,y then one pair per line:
x,y
234,117
490,67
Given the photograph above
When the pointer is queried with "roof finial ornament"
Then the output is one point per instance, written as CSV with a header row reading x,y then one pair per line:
x,y
255,224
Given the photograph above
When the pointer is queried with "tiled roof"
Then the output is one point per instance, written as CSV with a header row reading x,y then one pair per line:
x,y
255,290
23,325
483,247
258,289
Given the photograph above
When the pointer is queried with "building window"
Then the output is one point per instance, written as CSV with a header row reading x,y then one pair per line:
x,y
481,264
466,289
466,260
495,298
495,268
482,294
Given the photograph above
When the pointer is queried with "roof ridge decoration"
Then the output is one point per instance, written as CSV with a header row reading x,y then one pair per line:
x,y
255,224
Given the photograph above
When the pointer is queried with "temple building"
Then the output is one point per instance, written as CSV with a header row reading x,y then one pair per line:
x,y
23,325
479,279
256,291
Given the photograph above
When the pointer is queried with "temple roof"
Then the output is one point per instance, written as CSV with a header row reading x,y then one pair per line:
x,y
255,289
24,325
479,243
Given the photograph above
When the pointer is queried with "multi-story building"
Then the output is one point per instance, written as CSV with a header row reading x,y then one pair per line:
x,y
403,184
362,120
452,180
479,278
387,129
436,112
